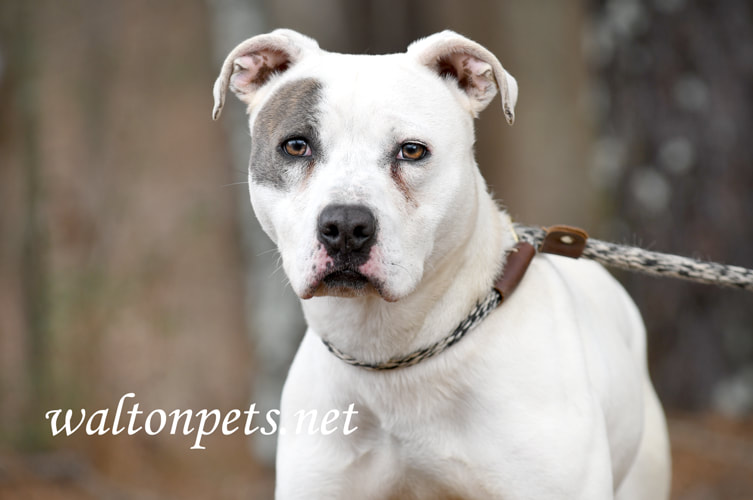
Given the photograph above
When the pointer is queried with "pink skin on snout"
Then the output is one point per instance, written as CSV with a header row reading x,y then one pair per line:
x,y
373,268
321,265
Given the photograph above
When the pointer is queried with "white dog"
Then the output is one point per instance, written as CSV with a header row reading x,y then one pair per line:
x,y
362,172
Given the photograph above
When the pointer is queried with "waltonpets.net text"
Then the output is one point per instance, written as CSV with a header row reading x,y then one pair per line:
x,y
203,422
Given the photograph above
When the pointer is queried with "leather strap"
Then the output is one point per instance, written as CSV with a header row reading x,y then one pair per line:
x,y
515,267
567,241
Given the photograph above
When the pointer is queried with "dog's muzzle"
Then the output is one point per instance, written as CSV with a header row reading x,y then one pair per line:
x,y
347,233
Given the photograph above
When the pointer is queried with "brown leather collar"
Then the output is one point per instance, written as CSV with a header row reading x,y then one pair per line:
x,y
518,260
567,241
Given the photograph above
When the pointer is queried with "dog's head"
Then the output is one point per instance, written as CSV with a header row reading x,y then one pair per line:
x,y
362,168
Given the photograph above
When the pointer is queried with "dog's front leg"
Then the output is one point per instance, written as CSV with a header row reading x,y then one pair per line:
x,y
316,426
309,468
565,455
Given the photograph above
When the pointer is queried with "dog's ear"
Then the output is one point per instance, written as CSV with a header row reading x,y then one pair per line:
x,y
477,71
251,64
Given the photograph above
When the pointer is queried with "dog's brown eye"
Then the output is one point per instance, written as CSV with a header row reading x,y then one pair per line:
x,y
412,151
296,147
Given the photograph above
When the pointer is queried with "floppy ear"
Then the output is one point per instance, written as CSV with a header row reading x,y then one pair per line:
x,y
477,71
252,63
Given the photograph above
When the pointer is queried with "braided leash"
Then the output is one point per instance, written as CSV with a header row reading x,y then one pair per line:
x,y
653,263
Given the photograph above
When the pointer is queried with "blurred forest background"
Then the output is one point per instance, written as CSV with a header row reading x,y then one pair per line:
x,y
130,260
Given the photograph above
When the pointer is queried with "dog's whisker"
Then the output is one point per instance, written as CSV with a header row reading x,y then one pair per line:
x,y
266,252
235,184
278,268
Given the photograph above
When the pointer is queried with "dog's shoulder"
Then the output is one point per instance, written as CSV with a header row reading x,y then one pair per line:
x,y
583,293
581,280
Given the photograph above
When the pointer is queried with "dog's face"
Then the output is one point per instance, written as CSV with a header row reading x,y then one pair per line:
x,y
362,168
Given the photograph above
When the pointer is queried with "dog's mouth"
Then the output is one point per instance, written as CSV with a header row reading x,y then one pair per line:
x,y
345,282
345,279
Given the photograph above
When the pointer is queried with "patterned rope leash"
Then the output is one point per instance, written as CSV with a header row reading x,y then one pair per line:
x,y
637,259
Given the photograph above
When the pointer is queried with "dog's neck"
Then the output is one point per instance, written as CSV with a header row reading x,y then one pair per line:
x,y
373,330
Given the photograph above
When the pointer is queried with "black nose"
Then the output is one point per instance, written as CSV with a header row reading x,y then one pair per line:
x,y
347,230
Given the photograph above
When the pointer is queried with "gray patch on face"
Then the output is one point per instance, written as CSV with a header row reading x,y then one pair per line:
x,y
292,112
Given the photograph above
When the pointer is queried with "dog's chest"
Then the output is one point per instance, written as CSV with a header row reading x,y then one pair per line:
x,y
398,480
416,462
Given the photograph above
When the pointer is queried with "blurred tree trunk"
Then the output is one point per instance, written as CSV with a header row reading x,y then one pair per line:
x,y
114,207
24,294
543,177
